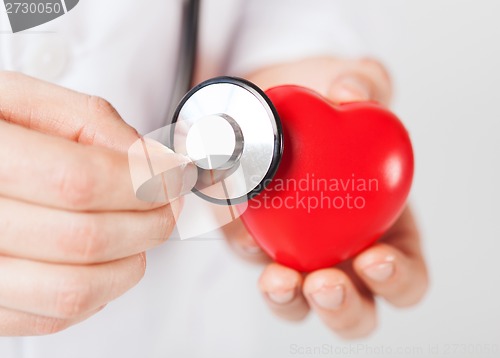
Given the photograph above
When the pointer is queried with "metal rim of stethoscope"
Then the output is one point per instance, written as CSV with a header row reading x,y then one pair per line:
x,y
271,160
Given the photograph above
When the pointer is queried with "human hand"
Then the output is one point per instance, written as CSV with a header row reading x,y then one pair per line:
x,y
73,232
393,269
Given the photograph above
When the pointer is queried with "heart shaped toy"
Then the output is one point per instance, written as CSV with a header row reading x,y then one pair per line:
x,y
343,180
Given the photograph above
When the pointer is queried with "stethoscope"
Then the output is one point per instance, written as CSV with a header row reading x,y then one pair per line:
x,y
227,126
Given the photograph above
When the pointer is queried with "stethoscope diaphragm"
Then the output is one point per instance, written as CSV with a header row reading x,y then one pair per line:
x,y
229,128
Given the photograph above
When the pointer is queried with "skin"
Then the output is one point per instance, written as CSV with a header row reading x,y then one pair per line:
x,y
73,232
393,269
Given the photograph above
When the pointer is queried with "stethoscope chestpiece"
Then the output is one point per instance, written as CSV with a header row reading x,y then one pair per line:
x,y
230,129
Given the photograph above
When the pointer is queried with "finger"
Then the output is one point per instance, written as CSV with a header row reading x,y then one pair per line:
x,y
362,80
336,300
395,268
242,243
52,109
65,292
16,323
55,172
282,290
81,238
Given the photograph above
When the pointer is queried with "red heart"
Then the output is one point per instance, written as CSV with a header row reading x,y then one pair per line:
x,y
344,178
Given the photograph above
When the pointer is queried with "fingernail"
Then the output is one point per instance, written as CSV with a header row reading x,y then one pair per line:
x,y
379,272
249,246
178,180
329,297
159,174
349,89
282,297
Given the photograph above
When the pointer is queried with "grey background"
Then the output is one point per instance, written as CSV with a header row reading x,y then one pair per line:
x,y
445,58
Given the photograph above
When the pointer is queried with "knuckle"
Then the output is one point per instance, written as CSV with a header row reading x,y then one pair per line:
x,y
9,82
48,325
75,185
82,239
100,106
74,297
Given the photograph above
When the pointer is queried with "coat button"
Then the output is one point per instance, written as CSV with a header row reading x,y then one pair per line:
x,y
47,59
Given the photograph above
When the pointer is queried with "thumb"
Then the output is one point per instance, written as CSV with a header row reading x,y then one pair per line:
x,y
350,88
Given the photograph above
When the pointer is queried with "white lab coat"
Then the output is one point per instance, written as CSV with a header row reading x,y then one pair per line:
x,y
197,299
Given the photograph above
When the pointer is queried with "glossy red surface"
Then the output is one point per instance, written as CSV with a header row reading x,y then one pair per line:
x,y
344,178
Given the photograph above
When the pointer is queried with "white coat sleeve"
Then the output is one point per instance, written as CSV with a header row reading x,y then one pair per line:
x,y
279,31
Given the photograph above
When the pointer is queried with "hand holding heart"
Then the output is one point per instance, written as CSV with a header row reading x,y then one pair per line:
x,y
394,268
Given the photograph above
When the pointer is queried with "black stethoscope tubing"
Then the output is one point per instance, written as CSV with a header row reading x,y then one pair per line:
x,y
186,60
